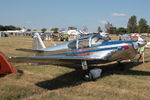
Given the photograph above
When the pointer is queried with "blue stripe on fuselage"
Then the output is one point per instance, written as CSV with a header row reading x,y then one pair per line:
x,y
114,42
89,51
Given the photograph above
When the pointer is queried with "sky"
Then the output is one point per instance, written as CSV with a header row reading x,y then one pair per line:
x,y
38,14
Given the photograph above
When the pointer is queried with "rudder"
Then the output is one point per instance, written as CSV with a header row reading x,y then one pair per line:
x,y
37,42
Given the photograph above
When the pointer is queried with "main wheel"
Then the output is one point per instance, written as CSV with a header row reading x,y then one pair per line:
x,y
93,74
88,77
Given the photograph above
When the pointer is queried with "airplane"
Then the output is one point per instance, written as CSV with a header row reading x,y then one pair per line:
x,y
90,49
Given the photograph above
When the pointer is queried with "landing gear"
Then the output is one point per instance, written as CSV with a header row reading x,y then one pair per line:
x,y
88,77
91,75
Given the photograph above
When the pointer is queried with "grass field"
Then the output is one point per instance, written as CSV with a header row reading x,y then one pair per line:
x,y
49,82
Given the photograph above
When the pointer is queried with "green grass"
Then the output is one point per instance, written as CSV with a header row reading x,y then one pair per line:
x,y
55,82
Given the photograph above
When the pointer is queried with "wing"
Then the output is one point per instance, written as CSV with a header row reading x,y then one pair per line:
x,y
29,50
51,59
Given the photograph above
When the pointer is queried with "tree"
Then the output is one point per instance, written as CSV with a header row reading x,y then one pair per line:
x,y
2,28
43,30
72,28
132,24
114,30
54,30
110,29
9,27
28,30
99,30
17,28
84,29
148,29
121,30
142,27
35,30
62,30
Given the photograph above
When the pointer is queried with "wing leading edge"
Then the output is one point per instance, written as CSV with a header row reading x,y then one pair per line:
x,y
50,59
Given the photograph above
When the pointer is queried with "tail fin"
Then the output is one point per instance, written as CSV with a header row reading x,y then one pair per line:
x,y
37,42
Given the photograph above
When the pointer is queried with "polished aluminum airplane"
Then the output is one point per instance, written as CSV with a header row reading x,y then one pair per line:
x,y
89,49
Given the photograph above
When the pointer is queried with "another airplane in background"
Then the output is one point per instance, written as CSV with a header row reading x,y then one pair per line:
x,y
90,49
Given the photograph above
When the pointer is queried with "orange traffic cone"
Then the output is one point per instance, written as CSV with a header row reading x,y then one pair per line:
x,y
5,66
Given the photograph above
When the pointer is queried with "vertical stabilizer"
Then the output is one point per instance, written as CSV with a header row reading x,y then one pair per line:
x,y
37,42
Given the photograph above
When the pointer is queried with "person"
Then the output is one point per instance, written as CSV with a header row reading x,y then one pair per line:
x,y
119,38
141,52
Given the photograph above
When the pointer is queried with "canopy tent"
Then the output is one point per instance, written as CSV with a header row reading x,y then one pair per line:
x,y
73,32
135,35
148,45
125,35
76,32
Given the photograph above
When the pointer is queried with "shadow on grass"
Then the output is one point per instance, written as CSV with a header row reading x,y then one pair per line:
x,y
123,69
2,75
74,78
19,74
69,79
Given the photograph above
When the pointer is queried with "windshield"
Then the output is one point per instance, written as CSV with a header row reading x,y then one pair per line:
x,y
96,40
87,41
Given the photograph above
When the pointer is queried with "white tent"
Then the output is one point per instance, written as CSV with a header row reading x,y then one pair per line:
x,y
73,32
148,45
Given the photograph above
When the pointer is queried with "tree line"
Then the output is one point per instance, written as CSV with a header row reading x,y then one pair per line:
x,y
9,27
132,27
56,30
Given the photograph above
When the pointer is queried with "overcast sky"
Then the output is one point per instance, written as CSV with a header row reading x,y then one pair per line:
x,y
37,14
